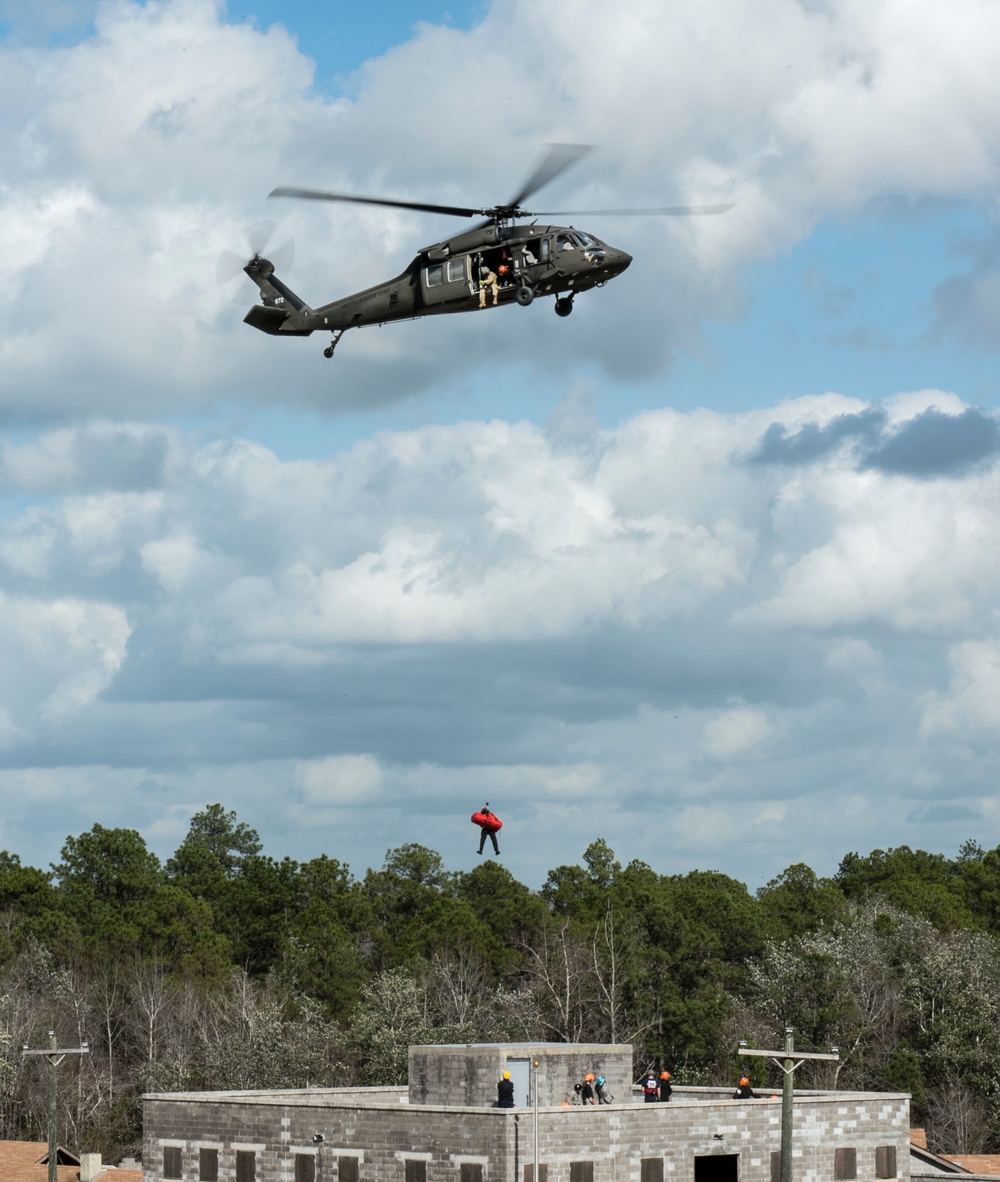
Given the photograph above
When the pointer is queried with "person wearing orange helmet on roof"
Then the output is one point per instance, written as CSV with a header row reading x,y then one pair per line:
x,y
587,1090
745,1091
505,1091
665,1088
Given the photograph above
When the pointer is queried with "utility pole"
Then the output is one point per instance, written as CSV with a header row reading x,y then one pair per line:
x,y
535,1064
55,1056
786,1062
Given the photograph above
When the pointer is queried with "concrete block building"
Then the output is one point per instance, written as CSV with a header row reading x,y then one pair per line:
x,y
443,1127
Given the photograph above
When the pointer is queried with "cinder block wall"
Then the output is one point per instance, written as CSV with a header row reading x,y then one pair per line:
x,y
617,1139
467,1075
382,1134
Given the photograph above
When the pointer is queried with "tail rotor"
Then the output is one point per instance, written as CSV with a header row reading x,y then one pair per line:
x,y
261,238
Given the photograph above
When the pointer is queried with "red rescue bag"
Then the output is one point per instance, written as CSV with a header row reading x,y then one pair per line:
x,y
487,821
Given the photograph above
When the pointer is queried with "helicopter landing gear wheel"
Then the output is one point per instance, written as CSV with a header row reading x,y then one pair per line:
x,y
328,351
564,306
524,295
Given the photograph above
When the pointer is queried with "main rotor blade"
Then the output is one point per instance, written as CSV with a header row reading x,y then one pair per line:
x,y
558,158
664,211
459,211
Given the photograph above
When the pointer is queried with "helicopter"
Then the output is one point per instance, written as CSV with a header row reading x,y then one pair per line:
x,y
497,262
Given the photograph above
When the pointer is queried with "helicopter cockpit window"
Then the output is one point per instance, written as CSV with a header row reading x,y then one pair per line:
x,y
435,275
565,242
588,240
456,269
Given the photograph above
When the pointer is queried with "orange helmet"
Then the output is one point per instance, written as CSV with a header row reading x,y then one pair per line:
x,y
743,1082
589,1076
503,268
664,1075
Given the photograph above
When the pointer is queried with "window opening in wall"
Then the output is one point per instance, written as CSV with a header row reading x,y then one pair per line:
x,y
776,1166
246,1165
172,1162
651,1169
845,1164
347,1169
208,1165
470,1171
416,1170
305,1167
581,1171
543,1172
885,1161
717,1167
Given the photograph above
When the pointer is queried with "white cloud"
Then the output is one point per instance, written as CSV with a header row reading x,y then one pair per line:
x,y
912,554
340,779
971,706
57,656
380,638
735,732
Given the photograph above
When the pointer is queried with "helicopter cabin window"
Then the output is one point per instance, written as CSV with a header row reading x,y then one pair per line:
x,y
435,275
457,270
535,251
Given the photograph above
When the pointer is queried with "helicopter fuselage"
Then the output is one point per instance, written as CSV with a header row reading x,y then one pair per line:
x,y
491,265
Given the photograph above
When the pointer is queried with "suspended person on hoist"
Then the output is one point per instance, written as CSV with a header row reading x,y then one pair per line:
x,y
489,824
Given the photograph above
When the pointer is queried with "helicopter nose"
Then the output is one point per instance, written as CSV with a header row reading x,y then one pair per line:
x,y
617,261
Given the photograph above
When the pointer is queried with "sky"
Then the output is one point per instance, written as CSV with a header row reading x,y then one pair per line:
x,y
707,569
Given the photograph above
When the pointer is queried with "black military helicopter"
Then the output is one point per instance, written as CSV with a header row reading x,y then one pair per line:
x,y
496,262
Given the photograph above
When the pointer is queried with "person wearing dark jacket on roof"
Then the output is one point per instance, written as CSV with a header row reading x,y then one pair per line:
x,y
650,1089
665,1088
505,1091
745,1091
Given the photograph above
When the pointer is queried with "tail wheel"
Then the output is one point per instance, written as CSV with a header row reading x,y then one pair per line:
x,y
564,306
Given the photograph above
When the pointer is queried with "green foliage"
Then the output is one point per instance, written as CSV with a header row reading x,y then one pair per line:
x,y
106,881
251,897
29,908
797,902
918,882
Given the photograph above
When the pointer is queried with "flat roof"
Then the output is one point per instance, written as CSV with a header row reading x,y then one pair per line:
x,y
396,1097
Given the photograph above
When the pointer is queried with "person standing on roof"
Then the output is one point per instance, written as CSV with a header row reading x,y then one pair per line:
x,y
587,1091
745,1091
665,1088
505,1091
650,1089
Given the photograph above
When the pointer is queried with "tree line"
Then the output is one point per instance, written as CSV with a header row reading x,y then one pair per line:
x,y
226,968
